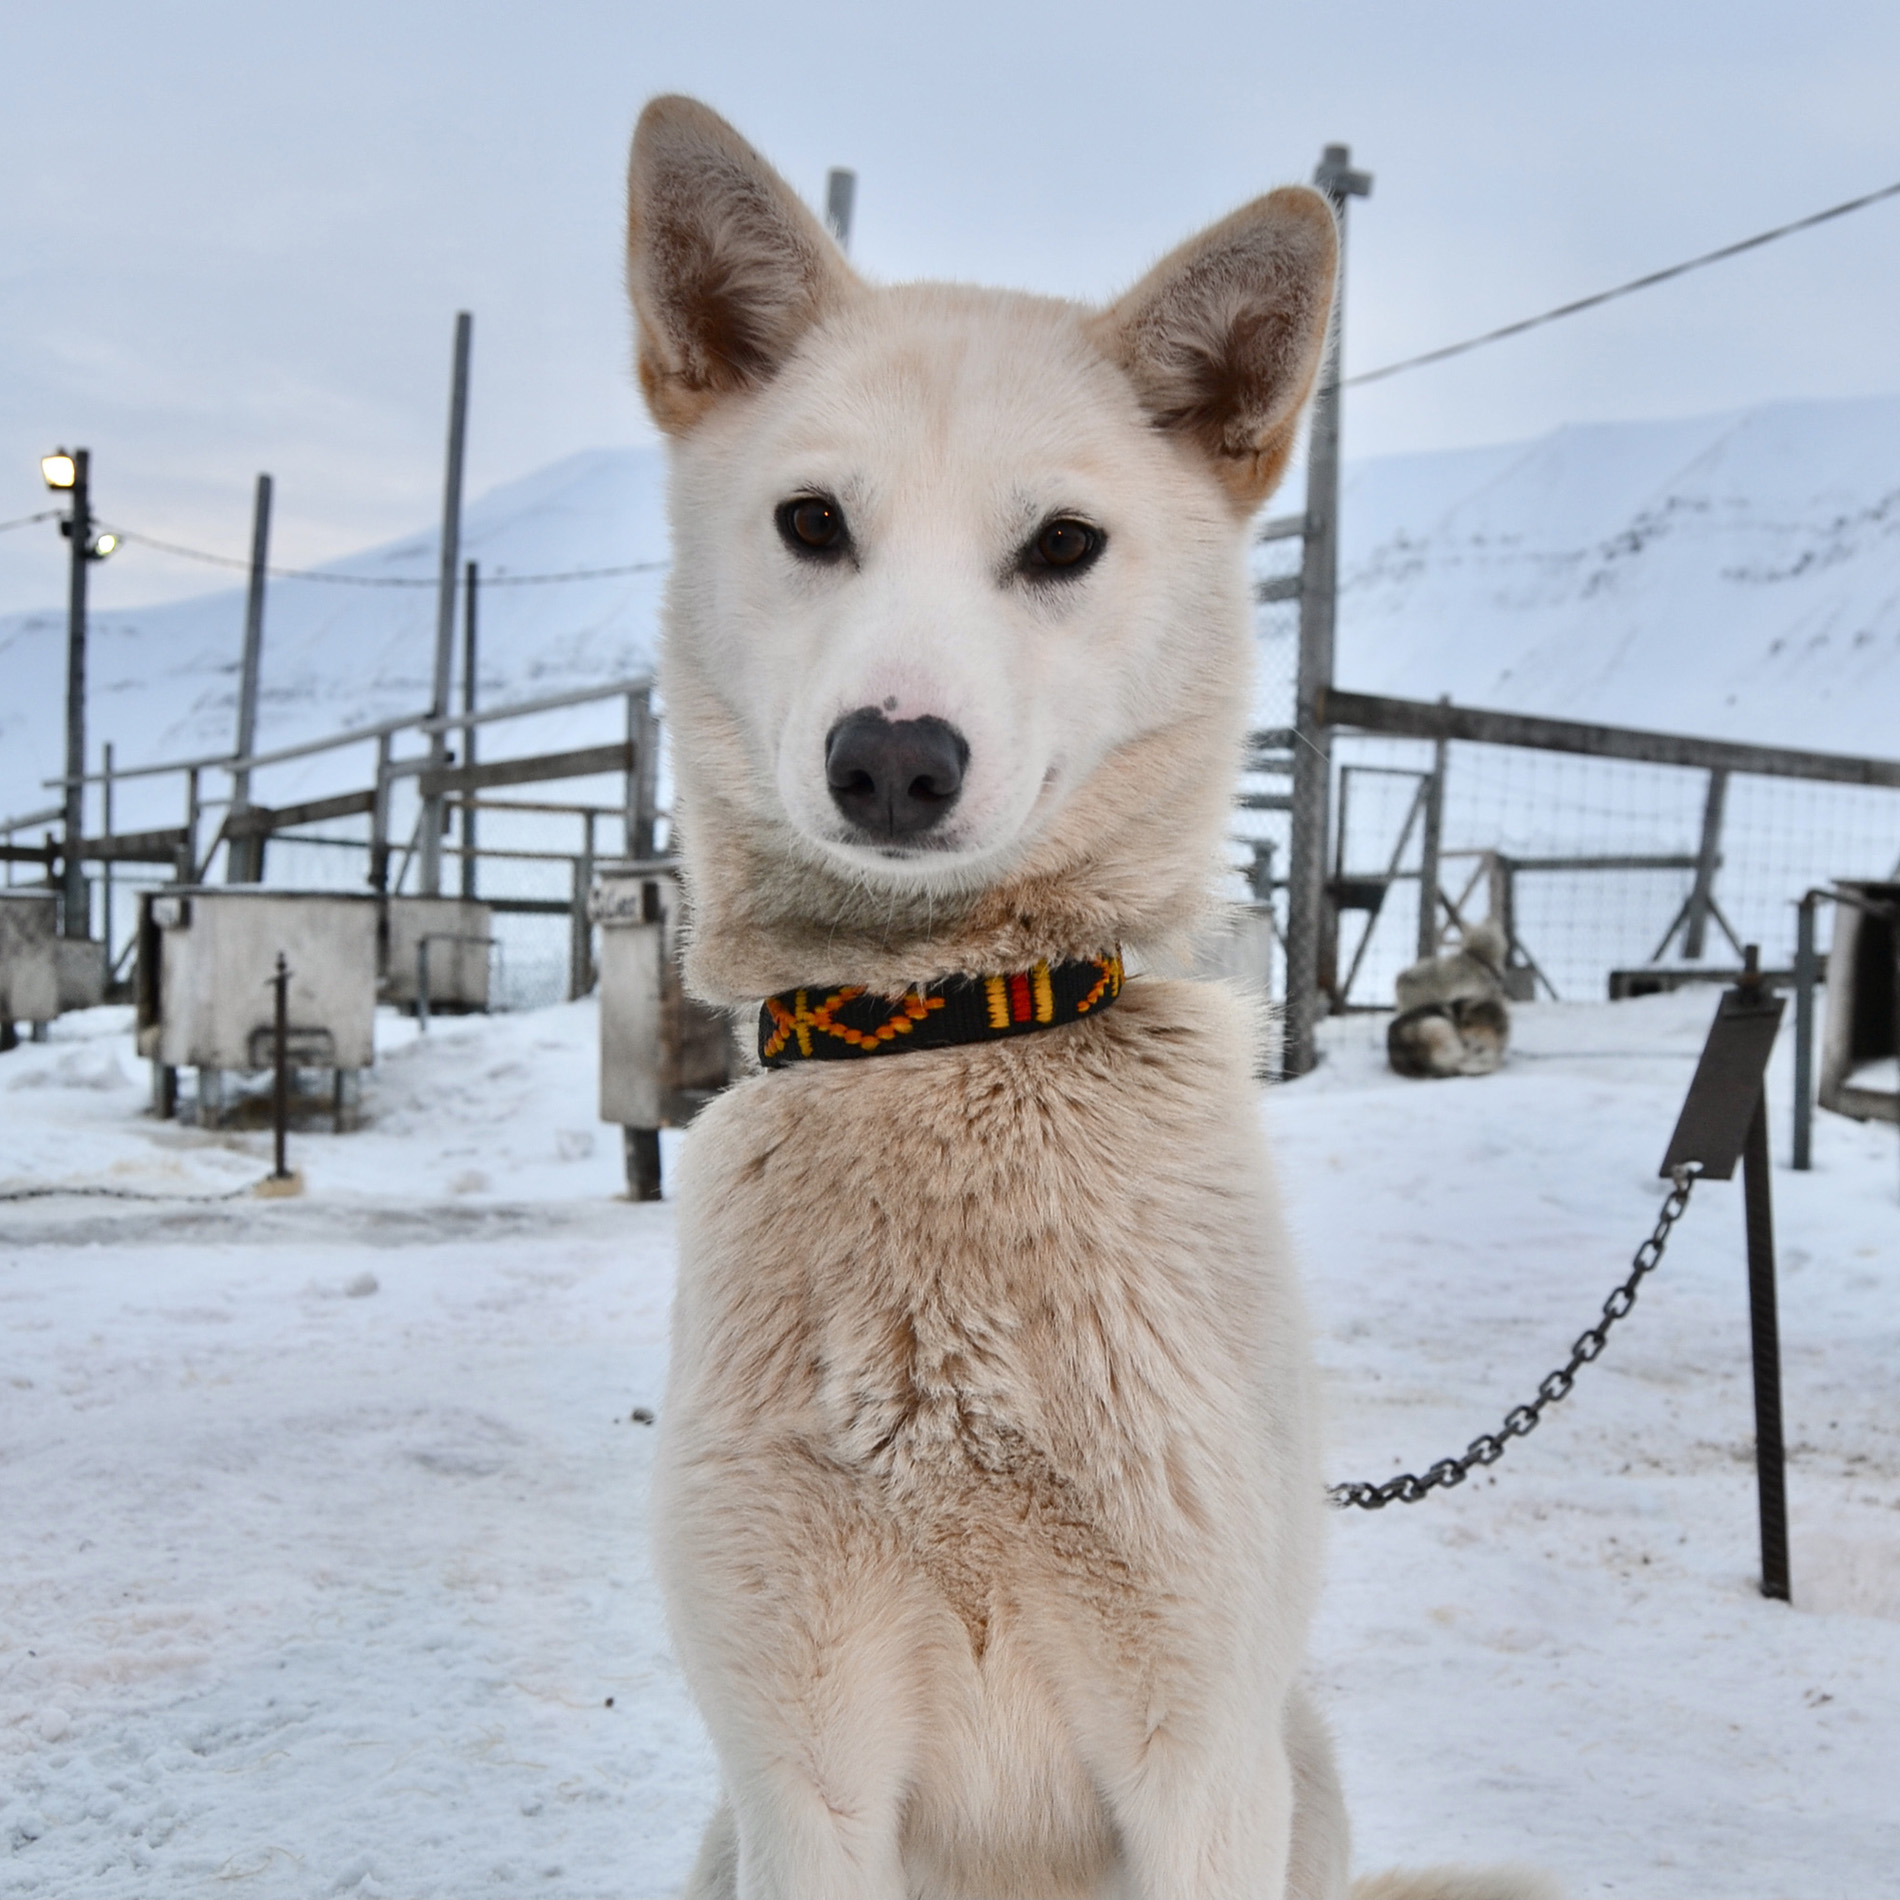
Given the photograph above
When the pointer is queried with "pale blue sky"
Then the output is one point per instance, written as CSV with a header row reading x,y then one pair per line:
x,y
233,237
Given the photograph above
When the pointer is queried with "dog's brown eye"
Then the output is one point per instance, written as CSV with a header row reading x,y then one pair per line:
x,y
810,524
1063,546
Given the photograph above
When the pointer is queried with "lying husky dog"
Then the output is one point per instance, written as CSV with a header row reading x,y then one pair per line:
x,y
988,1501
1452,1016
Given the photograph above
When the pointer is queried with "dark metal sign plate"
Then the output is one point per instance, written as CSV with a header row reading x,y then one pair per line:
x,y
1728,1083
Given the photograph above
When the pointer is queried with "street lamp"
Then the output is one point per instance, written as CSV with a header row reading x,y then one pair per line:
x,y
67,473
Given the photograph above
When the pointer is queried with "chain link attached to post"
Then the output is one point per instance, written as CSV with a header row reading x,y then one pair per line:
x,y
1523,1419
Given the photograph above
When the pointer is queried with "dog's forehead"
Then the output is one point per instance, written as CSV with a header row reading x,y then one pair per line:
x,y
942,377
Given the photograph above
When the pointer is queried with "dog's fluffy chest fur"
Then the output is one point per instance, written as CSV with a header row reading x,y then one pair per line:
x,y
1015,1393
949,1291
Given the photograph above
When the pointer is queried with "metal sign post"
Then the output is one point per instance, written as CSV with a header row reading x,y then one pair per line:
x,y
1725,1120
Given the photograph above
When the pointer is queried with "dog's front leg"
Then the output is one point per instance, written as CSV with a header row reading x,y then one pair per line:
x,y
1207,1817
797,1633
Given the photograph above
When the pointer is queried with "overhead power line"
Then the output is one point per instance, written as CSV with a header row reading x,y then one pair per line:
x,y
1622,290
26,521
376,580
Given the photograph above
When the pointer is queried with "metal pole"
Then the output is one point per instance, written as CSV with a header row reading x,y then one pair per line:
x,y
1804,962
642,1147
580,944
841,196
1429,852
1310,949
244,857
280,1083
105,868
1764,1332
379,820
471,575
643,778
1696,929
74,922
431,842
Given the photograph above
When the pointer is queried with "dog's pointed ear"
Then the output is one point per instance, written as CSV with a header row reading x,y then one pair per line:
x,y
726,268
1223,338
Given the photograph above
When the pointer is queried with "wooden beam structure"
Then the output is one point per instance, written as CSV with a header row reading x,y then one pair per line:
x,y
1422,719
583,762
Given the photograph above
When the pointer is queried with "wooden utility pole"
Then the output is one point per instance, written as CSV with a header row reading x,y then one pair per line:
x,y
432,817
244,856
1312,927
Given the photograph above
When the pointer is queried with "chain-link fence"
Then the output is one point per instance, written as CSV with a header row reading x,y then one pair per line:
x,y
1592,861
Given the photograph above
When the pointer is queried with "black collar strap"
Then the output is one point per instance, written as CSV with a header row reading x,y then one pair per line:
x,y
815,1025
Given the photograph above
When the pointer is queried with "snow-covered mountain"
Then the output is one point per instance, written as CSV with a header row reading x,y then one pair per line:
x,y
1735,575
163,680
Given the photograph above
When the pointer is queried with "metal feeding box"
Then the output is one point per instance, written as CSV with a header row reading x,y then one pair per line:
x,y
206,959
662,1055
1862,1030
29,958
437,948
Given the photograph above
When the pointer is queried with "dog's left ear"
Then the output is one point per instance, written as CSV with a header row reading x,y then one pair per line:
x,y
1223,338
726,268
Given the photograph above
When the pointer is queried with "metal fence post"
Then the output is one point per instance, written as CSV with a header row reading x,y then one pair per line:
x,y
105,845
1804,962
1708,854
1429,853
580,946
430,870
473,577
379,819
643,775
244,854
1310,951
841,193
1765,1338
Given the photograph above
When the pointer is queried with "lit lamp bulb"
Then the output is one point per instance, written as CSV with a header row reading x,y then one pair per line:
x,y
102,546
60,470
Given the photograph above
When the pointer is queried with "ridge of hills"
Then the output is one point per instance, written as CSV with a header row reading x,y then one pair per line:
x,y
1736,575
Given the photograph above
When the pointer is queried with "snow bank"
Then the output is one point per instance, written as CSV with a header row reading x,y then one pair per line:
x,y
325,1589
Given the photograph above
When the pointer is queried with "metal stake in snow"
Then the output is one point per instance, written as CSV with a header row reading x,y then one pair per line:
x,y
280,1180
1725,1119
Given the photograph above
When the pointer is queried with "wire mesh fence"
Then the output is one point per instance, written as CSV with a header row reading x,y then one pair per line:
x,y
1562,832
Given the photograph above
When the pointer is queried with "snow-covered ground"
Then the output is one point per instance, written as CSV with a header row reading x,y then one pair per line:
x,y
324,1520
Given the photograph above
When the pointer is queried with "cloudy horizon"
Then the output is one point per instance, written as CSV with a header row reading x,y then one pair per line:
x,y
237,241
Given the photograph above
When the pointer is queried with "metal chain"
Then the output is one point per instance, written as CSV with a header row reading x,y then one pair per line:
x,y
1523,1419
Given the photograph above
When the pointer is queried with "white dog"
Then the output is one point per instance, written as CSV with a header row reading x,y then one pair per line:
x,y
989,1499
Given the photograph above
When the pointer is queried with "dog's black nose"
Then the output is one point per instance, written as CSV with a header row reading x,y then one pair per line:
x,y
894,778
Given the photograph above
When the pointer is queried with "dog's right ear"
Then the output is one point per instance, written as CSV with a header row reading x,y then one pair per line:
x,y
1223,338
726,268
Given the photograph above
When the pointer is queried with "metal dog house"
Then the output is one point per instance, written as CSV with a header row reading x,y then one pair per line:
x,y
207,955
1862,1024
662,1055
29,960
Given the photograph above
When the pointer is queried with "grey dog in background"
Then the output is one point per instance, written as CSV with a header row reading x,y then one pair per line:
x,y
1452,1016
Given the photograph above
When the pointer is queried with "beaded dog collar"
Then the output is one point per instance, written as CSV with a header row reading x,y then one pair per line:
x,y
812,1025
